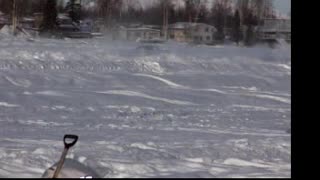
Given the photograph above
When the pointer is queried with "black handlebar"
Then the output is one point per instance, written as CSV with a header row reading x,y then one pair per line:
x,y
70,144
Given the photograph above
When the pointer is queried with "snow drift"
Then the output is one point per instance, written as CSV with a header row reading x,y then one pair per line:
x,y
173,110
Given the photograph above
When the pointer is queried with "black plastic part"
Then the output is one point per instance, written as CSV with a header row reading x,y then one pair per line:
x,y
70,136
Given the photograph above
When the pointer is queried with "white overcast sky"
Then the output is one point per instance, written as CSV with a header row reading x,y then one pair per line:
x,y
284,6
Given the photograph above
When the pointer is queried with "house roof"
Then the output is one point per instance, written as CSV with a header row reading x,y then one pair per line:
x,y
276,25
185,25
139,29
152,26
63,16
27,19
179,25
275,30
279,18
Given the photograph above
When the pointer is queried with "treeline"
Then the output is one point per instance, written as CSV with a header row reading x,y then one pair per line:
x,y
220,12
223,14
23,8
28,7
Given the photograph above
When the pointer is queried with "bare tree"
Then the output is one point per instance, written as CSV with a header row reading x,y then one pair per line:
x,y
154,14
165,7
109,9
6,6
23,7
178,14
13,8
219,12
262,9
50,16
192,7
14,17
60,5
236,27
243,7
252,13
38,5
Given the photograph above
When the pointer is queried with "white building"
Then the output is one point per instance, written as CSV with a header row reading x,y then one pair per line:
x,y
139,33
275,29
192,32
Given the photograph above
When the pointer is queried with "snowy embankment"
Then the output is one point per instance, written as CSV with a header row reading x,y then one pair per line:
x,y
171,111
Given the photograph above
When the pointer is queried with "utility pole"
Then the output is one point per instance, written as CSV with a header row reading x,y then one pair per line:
x,y
165,19
14,17
80,9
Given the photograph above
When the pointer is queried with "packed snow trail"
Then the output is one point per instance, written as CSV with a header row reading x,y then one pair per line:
x,y
177,111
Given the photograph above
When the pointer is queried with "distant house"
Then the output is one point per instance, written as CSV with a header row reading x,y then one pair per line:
x,y
4,19
66,24
138,33
27,22
32,22
192,32
273,29
179,32
68,28
153,27
87,25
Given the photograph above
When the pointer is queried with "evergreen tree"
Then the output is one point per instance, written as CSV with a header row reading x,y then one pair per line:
x,y
109,10
219,12
250,21
50,16
74,10
236,27
5,6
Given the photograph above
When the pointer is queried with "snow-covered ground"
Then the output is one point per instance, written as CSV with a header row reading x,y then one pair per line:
x,y
171,111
